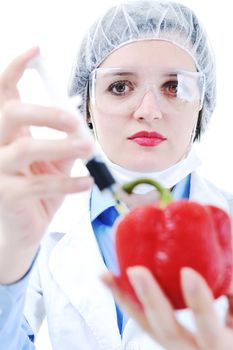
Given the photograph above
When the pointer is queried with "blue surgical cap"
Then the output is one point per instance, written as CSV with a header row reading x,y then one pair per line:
x,y
145,20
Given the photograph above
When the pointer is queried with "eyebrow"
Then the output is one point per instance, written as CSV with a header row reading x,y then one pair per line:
x,y
122,73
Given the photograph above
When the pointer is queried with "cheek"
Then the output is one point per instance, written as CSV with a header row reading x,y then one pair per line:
x,y
184,125
181,129
106,128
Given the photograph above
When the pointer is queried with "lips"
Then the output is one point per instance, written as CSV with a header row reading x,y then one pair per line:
x,y
146,138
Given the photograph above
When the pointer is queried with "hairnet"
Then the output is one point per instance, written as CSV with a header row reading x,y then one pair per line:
x,y
139,20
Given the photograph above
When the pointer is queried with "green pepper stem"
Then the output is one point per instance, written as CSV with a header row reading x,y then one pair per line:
x,y
165,194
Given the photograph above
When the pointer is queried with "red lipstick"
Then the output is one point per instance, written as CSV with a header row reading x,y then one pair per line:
x,y
147,139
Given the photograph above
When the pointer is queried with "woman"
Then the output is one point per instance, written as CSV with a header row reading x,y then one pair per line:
x,y
146,75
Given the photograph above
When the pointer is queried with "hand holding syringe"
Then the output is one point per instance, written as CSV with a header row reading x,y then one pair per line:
x,y
34,173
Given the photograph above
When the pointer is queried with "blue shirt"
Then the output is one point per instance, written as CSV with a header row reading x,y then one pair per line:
x,y
15,332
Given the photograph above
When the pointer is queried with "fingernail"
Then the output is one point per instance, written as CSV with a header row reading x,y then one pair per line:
x,y
134,280
188,280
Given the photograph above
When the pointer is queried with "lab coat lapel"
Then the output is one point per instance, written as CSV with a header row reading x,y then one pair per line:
x,y
76,264
204,192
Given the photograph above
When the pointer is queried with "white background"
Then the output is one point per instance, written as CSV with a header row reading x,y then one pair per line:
x,y
57,27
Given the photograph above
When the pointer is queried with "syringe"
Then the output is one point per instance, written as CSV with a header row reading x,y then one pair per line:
x,y
96,167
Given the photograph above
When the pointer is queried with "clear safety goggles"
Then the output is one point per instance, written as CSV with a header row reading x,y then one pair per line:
x,y
121,90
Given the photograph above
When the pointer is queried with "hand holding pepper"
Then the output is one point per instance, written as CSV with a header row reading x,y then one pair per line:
x,y
157,316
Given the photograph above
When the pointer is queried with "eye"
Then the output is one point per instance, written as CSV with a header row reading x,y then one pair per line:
x,y
170,88
121,88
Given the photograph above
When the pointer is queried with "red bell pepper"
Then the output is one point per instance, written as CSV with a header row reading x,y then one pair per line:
x,y
170,235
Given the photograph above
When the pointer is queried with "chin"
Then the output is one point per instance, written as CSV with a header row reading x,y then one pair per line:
x,y
146,166
143,167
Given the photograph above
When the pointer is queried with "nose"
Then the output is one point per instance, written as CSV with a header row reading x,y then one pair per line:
x,y
149,108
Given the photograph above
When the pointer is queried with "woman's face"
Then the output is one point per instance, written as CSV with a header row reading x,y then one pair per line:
x,y
137,118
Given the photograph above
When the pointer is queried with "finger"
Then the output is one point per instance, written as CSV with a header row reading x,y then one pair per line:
x,y
16,68
156,305
41,186
22,153
159,312
16,115
126,304
199,298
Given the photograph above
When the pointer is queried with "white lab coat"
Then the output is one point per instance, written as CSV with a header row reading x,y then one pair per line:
x,y
65,282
